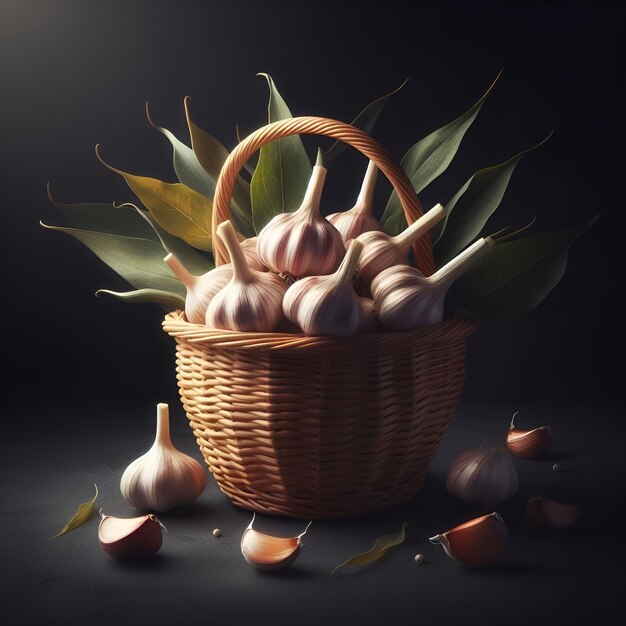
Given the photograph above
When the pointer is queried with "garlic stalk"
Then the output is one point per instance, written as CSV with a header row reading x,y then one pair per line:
x,y
163,477
382,251
252,300
407,299
200,289
328,305
302,243
528,444
359,219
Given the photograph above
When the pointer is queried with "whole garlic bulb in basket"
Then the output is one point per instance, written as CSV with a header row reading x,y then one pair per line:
x,y
381,251
252,300
200,289
359,219
328,305
302,243
407,299
248,247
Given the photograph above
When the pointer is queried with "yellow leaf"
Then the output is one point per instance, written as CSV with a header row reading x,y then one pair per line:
x,y
83,513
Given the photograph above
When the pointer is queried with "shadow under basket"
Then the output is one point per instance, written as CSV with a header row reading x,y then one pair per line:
x,y
319,427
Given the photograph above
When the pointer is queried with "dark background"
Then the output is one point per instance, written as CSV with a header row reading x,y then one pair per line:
x,y
77,73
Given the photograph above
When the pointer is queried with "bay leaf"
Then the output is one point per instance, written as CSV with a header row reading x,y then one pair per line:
x,y
470,208
365,120
166,299
283,170
83,513
515,277
428,159
381,547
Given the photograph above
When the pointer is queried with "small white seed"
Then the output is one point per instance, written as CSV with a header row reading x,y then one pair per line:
x,y
556,467
419,559
217,532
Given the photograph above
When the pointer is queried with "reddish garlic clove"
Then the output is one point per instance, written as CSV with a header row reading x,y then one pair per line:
x,y
542,511
133,538
528,444
480,542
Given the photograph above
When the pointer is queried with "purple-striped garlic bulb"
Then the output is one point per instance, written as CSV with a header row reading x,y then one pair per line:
x,y
252,300
200,289
328,305
406,299
381,251
359,219
302,243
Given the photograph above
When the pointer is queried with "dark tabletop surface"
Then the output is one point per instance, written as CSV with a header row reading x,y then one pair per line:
x,y
548,577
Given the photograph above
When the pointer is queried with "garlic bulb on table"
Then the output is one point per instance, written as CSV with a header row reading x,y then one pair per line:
x,y
252,300
200,289
163,477
302,243
407,299
359,219
328,305
382,251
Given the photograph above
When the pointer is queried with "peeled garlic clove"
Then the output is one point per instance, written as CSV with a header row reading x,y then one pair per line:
x,y
477,543
200,289
528,444
267,552
163,477
542,511
133,538
381,251
252,300
328,305
359,219
302,243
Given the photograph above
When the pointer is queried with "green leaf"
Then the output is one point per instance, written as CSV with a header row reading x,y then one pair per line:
x,y
83,513
380,548
282,172
470,208
428,159
365,120
515,277
166,299
138,261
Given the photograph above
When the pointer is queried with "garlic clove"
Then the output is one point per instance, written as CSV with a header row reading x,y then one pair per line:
x,y
130,538
200,289
163,477
542,511
267,552
477,543
528,444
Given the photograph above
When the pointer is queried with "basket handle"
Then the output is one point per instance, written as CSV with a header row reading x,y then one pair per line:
x,y
309,125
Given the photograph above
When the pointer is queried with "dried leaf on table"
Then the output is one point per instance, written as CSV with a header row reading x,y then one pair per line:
x,y
83,513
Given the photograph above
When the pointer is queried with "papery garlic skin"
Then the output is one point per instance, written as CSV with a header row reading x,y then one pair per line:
x,y
381,251
200,289
483,476
359,219
406,299
252,300
164,477
328,305
302,243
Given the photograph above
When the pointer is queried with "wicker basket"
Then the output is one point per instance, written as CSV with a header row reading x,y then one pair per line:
x,y
315,427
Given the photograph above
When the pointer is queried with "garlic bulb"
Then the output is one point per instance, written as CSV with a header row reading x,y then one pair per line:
x,y
200,289
267,552
302,243
163,477
130,538
248,247
252,300
486,476
407,299
382,251
528,444
328,305
359,219
477,543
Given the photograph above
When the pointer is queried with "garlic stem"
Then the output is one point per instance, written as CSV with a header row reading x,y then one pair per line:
x,y
241,269
185,276
163,426
311,202
454,268
348,266
365,200
406,238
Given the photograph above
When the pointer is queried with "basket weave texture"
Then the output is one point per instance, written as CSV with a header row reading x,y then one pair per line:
x,y
319,427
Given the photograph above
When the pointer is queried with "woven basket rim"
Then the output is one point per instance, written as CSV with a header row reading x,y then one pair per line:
x,y
451,329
